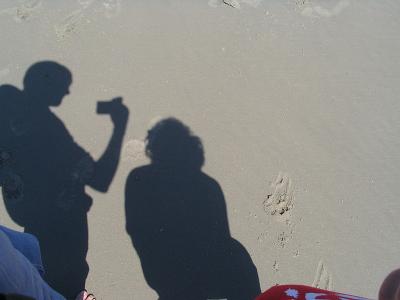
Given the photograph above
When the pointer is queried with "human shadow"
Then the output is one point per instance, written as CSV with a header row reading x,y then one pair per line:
x,y
44,171
177,220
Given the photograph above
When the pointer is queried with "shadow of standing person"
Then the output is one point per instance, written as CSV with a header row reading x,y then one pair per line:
x,y
45,172
177,220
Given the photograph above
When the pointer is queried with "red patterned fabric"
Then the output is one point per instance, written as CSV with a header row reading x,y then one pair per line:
x,y
302,292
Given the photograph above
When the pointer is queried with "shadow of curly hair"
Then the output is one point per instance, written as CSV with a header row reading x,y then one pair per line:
x,y
171,143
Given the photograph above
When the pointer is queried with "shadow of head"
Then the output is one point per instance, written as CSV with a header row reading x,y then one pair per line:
x,y
171,143
47,83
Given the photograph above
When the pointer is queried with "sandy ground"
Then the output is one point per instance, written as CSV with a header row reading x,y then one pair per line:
x,y
296,103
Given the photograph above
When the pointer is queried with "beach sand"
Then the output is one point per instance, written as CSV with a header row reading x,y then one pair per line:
x,y
296,103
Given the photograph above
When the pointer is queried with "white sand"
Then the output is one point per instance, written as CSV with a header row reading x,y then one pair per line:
x,y
307,91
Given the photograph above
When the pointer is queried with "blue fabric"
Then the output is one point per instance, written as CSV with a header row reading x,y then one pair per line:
x,y
28,245
17,273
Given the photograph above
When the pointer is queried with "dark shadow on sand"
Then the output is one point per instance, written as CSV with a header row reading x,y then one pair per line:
x,y
44,172
177,220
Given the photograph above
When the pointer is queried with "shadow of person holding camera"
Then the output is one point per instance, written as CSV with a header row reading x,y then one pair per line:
x,y
177,220
44,171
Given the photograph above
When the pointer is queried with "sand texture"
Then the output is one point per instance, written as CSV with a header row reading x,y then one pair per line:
x,y
296,104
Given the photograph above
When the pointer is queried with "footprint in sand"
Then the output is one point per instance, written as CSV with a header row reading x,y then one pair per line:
x,y
283,238
71,22
234,3
319,11
323,278
134,151
280,201
112,8
23,12
275,266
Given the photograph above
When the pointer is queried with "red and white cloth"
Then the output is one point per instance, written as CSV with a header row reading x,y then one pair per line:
x,y
302,292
